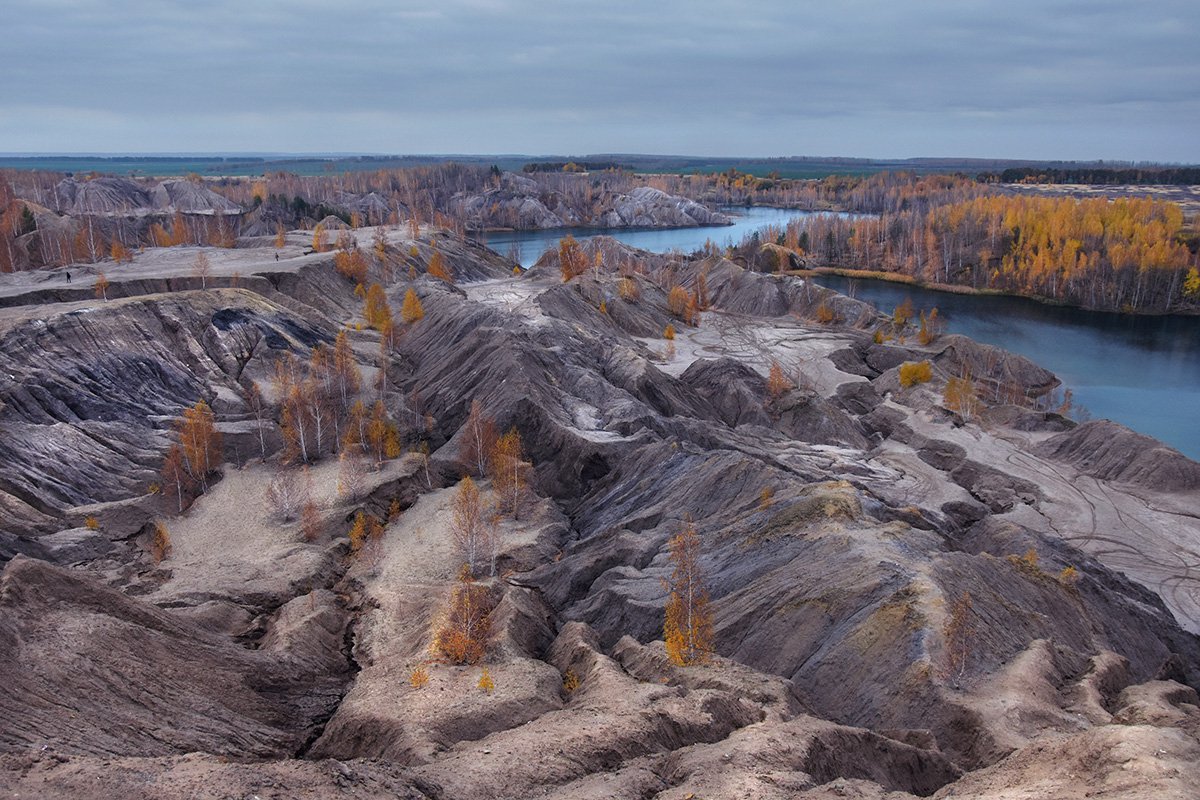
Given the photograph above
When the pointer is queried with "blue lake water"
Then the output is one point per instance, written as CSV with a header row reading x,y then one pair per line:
x,y
1141,371
657,240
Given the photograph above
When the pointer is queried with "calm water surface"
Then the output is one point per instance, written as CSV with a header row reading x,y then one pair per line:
x,y
657,240
1141,371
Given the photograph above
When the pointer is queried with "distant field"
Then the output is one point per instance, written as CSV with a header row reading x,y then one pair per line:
x,y
150,166
791,167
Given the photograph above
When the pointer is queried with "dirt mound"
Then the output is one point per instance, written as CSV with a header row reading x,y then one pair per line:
x,y
1112,452
89,670
835,563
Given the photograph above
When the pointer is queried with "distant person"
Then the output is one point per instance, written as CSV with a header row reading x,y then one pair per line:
x,y
276,258
68,277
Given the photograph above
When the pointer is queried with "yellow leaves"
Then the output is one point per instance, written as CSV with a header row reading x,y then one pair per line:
x,y
682,305
101,286
462,637
419,677
486,684
377,312
119,252
688,626
351,264
411,309
437,268
961,397
1191,284
571,259
777,383
766,498
160,543
1069,577
366,528
914,372
958,635
92,524
570,681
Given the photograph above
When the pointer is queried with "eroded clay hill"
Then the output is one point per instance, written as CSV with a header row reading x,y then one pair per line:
x,y
841,519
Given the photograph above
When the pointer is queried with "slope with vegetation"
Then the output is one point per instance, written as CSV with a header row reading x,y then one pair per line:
x,y
523,543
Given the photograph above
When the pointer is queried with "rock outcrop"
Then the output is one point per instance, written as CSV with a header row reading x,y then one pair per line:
x,y
522,203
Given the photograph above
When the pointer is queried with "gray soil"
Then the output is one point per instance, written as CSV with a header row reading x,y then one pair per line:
x,y
251,662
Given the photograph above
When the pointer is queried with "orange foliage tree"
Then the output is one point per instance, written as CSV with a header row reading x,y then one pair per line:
x,y
200,442
437,268
688,628
571,259
202,269
320,242
119,252
351,264
509,472
777,383
376,310
101,286
463,635
411,310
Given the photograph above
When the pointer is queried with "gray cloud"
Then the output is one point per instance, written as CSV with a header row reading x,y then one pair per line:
x,y
1028,78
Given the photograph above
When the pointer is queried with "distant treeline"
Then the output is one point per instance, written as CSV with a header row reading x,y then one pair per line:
x,y
1097,176
572,166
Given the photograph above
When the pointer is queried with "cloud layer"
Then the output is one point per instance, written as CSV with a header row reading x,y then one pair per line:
x,y
1024,78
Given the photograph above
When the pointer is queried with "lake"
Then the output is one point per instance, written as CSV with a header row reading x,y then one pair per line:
x,y
657,240
1141,371
1138,370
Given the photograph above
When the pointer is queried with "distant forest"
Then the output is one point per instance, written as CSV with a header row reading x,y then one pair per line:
x,y
1097,176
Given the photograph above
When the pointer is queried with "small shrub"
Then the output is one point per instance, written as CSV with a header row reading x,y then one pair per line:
x,y
419,677
961,396
1027,563
570,681
1069,577
463,636
160,545
777,383
825,314
766,498
92,524
930,327
669,333
914,372
486,683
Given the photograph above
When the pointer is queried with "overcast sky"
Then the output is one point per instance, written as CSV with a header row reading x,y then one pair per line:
x,y
989,78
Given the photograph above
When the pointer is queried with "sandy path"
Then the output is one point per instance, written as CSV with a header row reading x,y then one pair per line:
x,y
1155,541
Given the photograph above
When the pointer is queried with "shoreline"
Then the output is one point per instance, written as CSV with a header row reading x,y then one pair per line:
x,y
950,288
